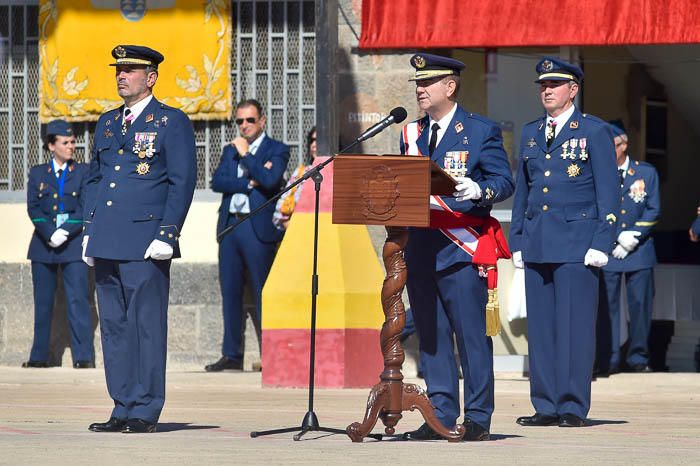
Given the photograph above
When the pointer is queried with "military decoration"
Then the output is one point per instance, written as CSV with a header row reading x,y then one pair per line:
x,y
489,193
573,170
573,124
143,168
144,144
582,144
108,122
637,192
531,142
459,127
149,118
108,132
549,132
164,120
630,171
455,163
564,149
573,143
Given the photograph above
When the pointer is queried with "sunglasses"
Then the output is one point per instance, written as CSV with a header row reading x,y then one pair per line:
x,y
251,120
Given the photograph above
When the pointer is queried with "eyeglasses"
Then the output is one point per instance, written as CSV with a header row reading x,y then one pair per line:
x,y
251,120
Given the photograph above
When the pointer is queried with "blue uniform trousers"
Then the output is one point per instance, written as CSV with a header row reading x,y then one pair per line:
x,y
448,304
133,297
640,300
241,251
562,300
75,282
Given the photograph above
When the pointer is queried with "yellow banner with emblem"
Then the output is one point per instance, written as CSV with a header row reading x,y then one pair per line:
x,y
76,38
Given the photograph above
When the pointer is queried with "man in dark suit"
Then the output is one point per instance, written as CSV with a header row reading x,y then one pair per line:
x,y
634,258
562,230
142,178
694,231
448,295
55,196
250,172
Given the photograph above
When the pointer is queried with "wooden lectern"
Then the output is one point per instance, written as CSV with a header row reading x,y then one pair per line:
x,y
391,190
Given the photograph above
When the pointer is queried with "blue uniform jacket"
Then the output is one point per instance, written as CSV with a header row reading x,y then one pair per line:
x,y
564,206
141,184
43,204
639,211
487,165
272,153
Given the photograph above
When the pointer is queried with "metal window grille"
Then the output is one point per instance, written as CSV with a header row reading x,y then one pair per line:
x,y
272,59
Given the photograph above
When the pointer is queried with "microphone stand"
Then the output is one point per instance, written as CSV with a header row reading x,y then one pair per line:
x,y
310,422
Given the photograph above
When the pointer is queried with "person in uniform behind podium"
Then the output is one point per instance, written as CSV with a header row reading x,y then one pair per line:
x,y
55,196
143,173
634,258
448,295
562,230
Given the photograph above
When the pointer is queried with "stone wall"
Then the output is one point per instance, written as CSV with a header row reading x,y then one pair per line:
x,y
194,318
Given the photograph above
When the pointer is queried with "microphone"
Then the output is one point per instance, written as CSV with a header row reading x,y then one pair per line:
x,y
397,115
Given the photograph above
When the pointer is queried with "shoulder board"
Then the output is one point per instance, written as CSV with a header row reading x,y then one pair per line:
x,y
481,118
593,118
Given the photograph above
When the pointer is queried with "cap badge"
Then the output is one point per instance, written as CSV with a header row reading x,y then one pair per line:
x,y
119,51
547,65
419,62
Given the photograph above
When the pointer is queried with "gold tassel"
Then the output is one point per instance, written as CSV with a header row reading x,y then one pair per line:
x,y
493,318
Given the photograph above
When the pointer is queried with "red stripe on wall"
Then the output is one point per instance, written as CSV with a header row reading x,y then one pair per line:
x,y
345,358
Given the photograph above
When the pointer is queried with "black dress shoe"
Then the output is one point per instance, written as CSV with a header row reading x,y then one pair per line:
x,y
138,426
113,425
424,432
35,364
640,368
474,432
538,420
224,364
83,365
571,420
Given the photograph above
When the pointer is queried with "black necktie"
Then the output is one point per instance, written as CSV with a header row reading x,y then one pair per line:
x,y
550,132
126,123
59,172
433,139
621,172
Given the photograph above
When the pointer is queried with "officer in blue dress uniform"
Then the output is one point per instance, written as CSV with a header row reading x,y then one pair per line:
x,y
634,258
447,295
250,172
563,227
55,196
142,178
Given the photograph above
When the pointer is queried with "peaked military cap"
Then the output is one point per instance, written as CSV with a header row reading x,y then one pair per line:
x,y
59,128
136,55
617,127
556,69
433,66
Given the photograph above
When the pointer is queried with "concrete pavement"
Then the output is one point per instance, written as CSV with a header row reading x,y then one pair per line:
x,y
44,414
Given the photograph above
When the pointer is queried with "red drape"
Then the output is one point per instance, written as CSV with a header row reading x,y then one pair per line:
x,y
506,23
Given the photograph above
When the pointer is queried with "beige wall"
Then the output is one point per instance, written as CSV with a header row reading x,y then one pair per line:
x,y
198,241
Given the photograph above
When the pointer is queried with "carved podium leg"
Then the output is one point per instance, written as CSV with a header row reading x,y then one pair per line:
x,y
391,396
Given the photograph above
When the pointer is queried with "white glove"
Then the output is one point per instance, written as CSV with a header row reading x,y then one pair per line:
x,y
59,237
628,239
595,258
158,250
619,252
467,189
518,260
88,260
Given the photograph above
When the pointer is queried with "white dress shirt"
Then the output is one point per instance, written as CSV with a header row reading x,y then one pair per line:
x,y
138,107
240,203
443,122
561,119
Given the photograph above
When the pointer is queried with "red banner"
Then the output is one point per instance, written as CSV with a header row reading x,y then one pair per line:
x,y
418,24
